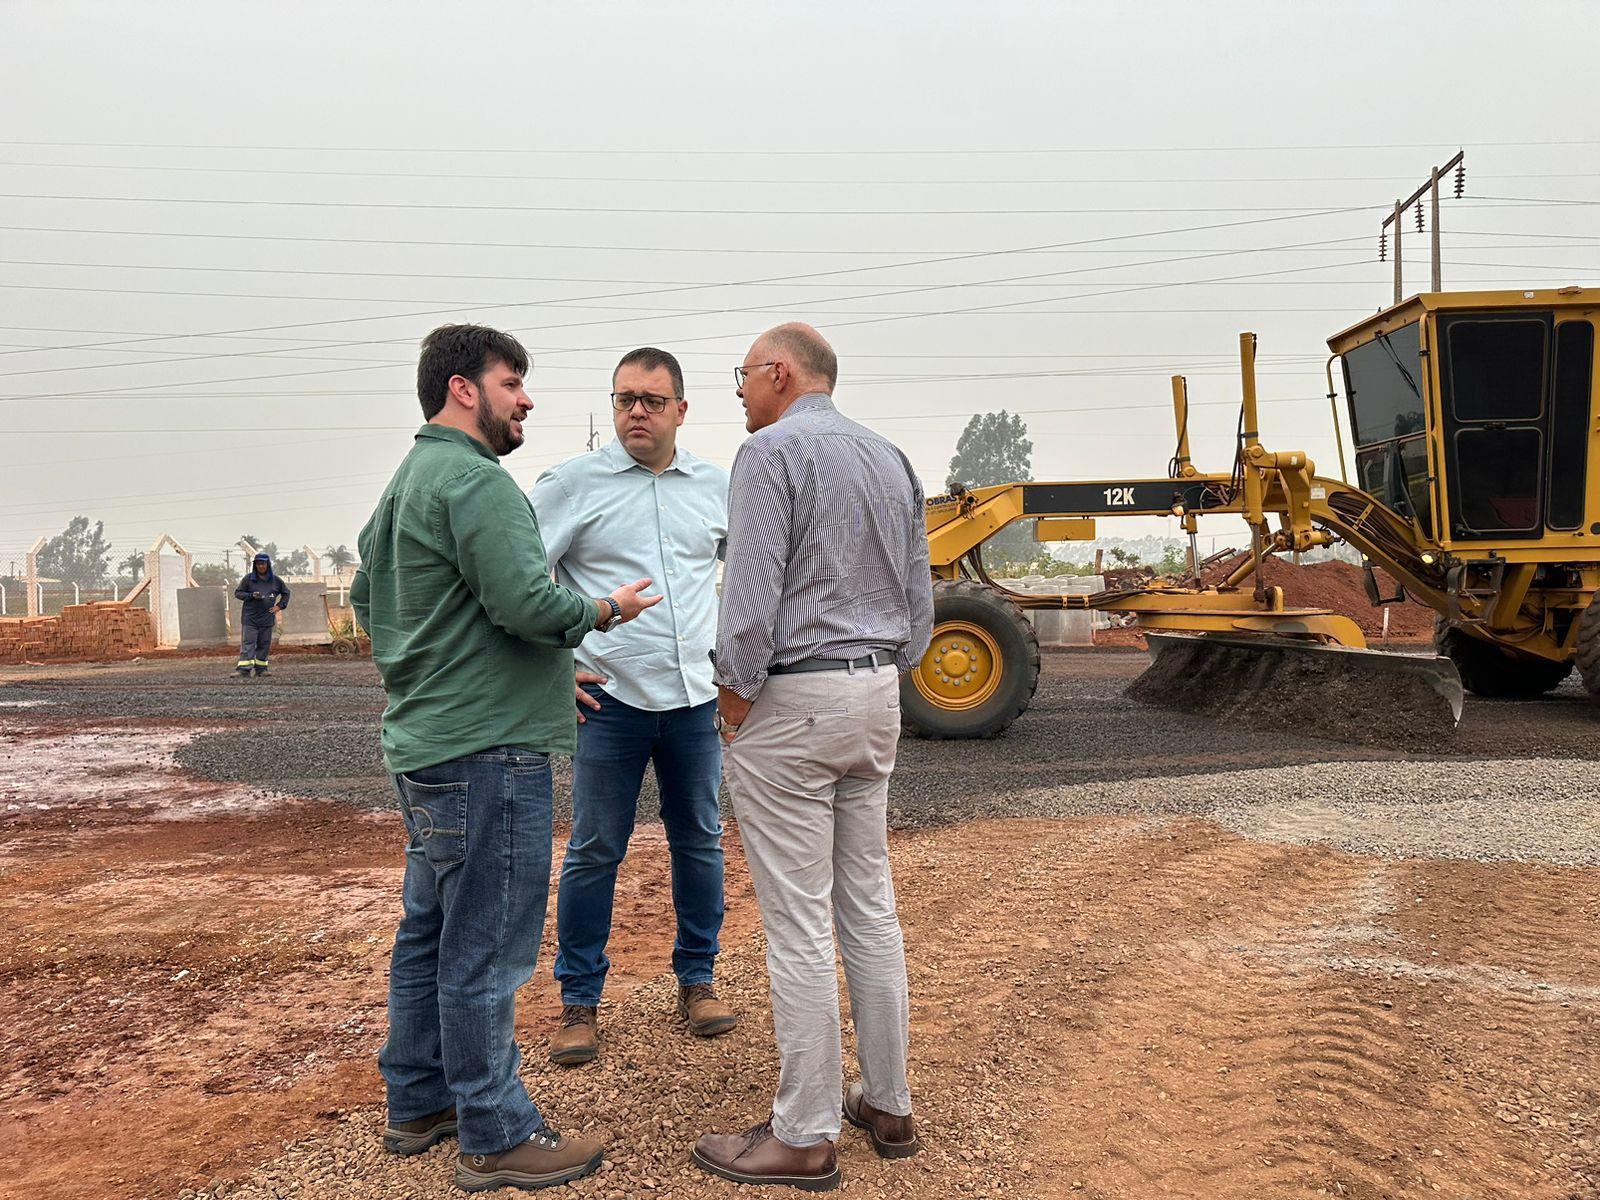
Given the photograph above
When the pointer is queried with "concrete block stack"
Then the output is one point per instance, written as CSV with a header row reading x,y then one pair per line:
x,y
97,632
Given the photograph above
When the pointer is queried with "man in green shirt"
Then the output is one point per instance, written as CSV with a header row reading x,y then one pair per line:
x,y
474,642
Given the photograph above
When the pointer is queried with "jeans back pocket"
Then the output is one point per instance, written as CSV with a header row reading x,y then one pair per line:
x,y
437,814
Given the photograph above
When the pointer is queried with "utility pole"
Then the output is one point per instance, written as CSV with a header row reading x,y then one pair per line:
x,y
227,559
591,431
1436,277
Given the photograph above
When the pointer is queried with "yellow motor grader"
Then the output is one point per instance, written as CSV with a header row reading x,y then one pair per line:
x,y
1475,419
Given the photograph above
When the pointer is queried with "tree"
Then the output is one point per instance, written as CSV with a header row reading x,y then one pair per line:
x,y
213,574
994,448
292,562
131,567
78,554
339,557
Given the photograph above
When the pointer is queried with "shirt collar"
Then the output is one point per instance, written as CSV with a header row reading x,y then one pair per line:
x,y
810,402
447,433
619,460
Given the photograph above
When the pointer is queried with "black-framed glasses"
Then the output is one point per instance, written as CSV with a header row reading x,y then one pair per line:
x,y
740,374
624,401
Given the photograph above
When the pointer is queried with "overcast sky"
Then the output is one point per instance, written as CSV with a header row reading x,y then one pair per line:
x,y
224,227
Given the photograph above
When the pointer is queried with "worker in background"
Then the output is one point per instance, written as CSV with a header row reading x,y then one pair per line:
x,y
641,505
264,596
474,642
826,600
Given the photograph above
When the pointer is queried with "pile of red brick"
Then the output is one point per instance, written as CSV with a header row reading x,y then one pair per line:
x,y
83,632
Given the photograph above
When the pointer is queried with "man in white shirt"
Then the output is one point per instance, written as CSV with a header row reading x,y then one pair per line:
x,y
641,501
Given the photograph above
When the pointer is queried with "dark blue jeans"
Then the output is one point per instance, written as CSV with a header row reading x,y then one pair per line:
x,y
614,745
477,878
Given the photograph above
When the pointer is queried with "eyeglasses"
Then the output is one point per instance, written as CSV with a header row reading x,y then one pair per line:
x,y
740,374
624,401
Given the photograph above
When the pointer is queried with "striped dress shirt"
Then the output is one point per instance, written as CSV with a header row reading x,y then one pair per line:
x,y
827,549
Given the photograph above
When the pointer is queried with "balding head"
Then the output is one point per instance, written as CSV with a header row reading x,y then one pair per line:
x,y
807,353
782,365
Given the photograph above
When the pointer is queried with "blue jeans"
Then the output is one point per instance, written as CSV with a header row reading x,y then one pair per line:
x,y
477,878
614,744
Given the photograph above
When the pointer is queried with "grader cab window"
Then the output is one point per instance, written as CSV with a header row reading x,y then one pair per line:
x,y
1494,373
1384,382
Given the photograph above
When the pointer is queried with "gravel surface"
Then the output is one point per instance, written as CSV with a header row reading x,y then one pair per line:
x,y
1517,810
311,728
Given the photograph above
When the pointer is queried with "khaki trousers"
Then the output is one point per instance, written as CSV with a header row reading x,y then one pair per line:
x,y
808,774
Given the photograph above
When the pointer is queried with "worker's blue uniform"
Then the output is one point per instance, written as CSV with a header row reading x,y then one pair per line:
x,y
263,595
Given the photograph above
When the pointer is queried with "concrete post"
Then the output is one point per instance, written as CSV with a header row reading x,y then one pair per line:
x,y
164,591
32,591
315,560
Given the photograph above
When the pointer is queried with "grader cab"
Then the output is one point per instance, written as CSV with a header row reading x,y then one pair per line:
x,y
1475,418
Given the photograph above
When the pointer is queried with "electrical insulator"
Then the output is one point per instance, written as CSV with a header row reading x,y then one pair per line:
x,y
1419,216
1461,179
1383,246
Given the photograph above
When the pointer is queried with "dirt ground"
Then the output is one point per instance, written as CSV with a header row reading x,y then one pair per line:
x,y
1128,1003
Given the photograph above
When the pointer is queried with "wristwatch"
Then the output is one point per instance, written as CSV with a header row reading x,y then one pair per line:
x,y
614,619
722,726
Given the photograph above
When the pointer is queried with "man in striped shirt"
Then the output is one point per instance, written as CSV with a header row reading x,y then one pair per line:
x,y
826,599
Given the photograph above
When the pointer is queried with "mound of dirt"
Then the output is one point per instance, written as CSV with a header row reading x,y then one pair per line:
x,y
1371,699
1340,587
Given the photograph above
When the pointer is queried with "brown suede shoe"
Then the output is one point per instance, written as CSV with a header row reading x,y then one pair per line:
x,y
578,1039
891,1136
707,1016
413,1137
544,1160
757,1156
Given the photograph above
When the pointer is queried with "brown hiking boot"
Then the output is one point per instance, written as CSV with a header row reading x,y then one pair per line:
x,y
578,1039
413,1137
757,1156
544,1160
707,1016
891,1136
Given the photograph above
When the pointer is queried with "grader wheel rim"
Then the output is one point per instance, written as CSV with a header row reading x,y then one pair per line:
x,y
962,668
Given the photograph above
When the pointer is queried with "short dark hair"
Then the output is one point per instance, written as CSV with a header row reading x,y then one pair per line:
x,y
650,358
465,350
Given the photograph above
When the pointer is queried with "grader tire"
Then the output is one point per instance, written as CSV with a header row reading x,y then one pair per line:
x,y
980,671
1589,647
1488,670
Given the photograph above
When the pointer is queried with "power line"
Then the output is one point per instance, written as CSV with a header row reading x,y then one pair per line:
x,y
455,176
943,151
655,317
948,258
257,202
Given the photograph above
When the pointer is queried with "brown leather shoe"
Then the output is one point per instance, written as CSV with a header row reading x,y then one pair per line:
x,y
413,1137
891,1136
707,1016
578,1039
544,1160
757,1156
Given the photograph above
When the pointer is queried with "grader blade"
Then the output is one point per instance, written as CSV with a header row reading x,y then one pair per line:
x,y
1404,700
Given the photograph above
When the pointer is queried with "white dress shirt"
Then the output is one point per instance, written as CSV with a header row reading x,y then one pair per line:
x,y
607,520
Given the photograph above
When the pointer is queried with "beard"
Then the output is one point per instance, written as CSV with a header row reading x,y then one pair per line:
x,y
497,432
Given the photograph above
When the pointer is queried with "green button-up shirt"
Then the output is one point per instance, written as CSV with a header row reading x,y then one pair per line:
x,y
472,637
